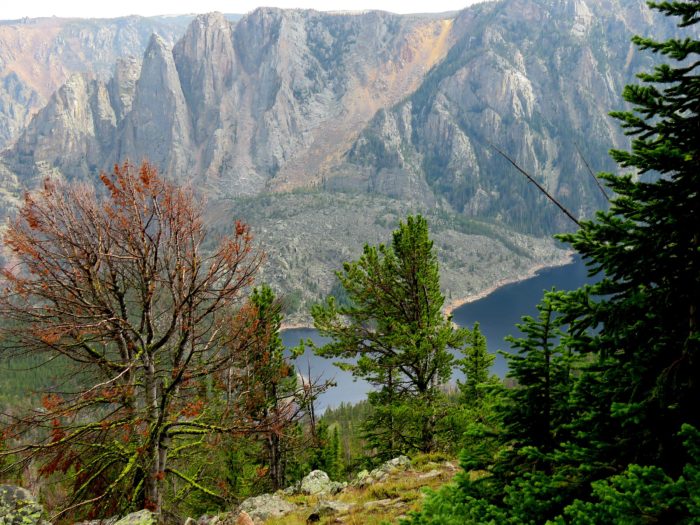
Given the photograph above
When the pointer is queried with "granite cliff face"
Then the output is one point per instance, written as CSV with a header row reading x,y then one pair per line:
x,y
265,103
367,117
535,79
404,106
37,56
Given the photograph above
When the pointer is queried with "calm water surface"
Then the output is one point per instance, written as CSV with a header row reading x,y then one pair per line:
x,y
496,314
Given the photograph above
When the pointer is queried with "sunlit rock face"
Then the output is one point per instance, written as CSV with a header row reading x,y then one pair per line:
x,y
534,79
408,107
267,102
37,56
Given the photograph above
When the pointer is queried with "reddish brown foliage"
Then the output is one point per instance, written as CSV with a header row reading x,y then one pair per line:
x,y
121,286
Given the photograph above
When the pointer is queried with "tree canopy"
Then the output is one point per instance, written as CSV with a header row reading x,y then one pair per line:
x,y
393,325
119,286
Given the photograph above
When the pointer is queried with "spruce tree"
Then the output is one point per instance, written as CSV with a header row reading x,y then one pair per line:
x,y
476,367
541,368
646,247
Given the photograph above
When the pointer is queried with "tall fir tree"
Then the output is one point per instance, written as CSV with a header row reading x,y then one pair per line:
x,y
541,368
647,248
476,367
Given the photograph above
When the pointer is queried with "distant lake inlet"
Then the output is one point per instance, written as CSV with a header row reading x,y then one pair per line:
x,y
497,315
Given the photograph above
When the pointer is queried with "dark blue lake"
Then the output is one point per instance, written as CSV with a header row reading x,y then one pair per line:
x,y
496,313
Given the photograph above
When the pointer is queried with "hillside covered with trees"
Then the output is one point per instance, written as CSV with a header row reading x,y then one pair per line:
x,y
180,399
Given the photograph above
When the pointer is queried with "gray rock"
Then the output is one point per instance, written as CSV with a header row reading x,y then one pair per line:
x,y
265,506
18,507
44,53
336,487
386,468
328,508
316,482
274,96
292,489
362,479
365,478
398,463
142,517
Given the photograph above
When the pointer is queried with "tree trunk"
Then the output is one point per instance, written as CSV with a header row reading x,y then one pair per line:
x,y
155,453
275,457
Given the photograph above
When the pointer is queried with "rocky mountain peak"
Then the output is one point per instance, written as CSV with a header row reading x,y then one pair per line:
x,y
206,63
158,125
266,103
38,55
122,85
401,105
157,49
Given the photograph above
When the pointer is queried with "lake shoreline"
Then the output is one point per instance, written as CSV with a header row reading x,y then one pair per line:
x,y
531,272
451,306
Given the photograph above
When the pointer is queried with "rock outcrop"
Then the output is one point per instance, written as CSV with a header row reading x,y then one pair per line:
x,y
18,507
265,506
315,482
397,489
142,517
534,79
39,55
328,508
263,103
365,478
287,99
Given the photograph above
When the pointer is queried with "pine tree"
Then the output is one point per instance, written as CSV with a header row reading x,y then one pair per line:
x,y
476,367
394,326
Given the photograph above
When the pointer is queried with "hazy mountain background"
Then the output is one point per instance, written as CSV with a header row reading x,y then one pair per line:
x,y
323,130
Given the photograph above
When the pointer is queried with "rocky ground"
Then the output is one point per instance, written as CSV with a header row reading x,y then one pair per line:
x,y
307,236
383,495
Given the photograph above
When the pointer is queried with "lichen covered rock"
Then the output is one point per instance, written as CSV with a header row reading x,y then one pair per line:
x,y
142,517
328,508
316,482
18,507
380,473
264,507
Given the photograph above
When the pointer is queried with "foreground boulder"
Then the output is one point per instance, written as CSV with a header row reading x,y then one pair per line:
x,y
265,506
380,473
316,482
18,507
142,517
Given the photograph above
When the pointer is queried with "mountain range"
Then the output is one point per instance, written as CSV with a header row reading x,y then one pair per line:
x,y
324,129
